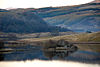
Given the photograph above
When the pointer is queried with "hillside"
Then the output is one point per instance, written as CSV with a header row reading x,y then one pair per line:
x,y
82,37
79,18
23,21
96,1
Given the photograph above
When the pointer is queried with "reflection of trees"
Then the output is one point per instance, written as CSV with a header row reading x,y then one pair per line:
x,y
49,54
1,57
60,54
1,46
59,49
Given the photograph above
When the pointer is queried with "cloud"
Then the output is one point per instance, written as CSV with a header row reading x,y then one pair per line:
x,y
39,3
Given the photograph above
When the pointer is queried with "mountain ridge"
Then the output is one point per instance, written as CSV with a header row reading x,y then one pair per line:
x,y
23,21
96,1
77,18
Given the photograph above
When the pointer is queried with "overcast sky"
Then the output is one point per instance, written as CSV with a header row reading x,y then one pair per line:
x,y
39,3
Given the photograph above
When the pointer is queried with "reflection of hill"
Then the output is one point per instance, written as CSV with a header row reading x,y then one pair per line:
x,y
85,56
30,52
1,47
23,53
59,49
79,56
89,47
57,54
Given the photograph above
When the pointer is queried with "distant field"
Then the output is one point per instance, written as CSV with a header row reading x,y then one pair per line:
x,y
82,37
78,38
11,36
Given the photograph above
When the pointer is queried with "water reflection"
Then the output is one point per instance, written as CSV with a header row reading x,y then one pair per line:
x,y
59,49
58,54
41,63
30,52
1,57
1,47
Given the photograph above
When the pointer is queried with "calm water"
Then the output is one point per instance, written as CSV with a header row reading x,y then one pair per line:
x,y
29,56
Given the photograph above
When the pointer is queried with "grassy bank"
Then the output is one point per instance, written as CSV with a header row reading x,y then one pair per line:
x,y
82,37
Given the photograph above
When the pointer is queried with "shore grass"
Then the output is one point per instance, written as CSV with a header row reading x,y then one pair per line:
x,y
82,37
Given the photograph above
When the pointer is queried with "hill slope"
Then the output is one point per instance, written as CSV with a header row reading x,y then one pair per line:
x,y
78,18
82,37
96,1
23,21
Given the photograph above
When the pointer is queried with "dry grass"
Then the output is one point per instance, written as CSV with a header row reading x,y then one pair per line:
x,y
83,37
